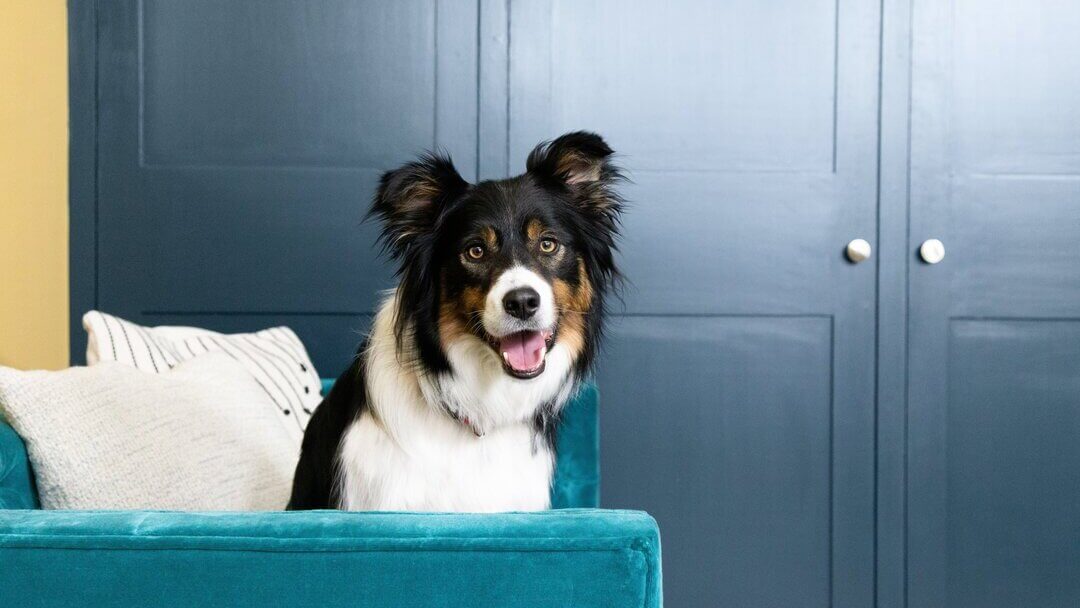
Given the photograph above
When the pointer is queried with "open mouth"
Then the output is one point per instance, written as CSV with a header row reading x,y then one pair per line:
x,y
523,352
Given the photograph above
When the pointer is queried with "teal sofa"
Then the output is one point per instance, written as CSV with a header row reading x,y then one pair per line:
x,y
573,556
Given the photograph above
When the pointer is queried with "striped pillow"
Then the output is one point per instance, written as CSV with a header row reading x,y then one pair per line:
x,y
275,357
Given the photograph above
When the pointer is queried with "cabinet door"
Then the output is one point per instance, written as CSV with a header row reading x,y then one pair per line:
x,y
737,382
994,380
239,144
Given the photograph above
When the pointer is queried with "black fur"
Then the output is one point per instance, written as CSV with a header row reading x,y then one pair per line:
x,y
313,483
430,216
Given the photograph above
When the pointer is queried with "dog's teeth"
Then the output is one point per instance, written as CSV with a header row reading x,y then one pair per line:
x,y
506,357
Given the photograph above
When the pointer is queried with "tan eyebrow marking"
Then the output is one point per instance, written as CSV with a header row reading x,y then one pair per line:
x,y
534,229
490,238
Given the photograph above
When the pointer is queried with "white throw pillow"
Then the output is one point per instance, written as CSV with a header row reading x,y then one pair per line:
x,y
275,357
202,436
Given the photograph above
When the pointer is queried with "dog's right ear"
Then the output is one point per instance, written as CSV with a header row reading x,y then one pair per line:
x,y
410,198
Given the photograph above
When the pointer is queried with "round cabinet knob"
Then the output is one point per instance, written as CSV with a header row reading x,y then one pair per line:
x,y
858,250
932,251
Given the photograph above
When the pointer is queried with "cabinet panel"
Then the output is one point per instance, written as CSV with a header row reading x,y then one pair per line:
x,y
721,428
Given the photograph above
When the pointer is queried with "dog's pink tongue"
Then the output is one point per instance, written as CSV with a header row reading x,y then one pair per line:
x,y
524,350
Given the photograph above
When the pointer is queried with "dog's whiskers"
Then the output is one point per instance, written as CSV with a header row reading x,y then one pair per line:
x,y
573,310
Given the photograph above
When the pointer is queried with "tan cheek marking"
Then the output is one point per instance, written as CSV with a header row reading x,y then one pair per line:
x,y
573,305
456,316
563,294
451,328
572,335
584,292
472,300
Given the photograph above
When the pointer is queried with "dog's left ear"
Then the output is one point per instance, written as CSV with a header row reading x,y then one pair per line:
x,y
581,161
575,158
410,198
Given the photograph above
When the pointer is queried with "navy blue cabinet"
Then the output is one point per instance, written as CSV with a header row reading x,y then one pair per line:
x,y
994,383
807,430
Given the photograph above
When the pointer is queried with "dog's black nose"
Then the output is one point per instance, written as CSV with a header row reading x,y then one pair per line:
x,y
521,302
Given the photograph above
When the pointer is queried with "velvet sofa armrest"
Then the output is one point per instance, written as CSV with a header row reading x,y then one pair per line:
x,y
16,479
573,557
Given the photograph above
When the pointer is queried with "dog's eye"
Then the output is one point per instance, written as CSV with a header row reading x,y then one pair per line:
x,y
548,245
476,252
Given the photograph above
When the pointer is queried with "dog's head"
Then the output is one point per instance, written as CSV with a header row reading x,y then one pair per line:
x,y
520,265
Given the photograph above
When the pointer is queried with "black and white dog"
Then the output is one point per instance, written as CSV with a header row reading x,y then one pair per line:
x,y
453,400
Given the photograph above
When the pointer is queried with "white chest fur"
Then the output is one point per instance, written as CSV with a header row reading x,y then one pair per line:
x,y
457,471
406,453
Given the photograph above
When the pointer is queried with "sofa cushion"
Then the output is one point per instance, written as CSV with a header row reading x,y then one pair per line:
x,y
200,436
275,357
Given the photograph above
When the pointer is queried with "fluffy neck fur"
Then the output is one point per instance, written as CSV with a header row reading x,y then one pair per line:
x,y
408,451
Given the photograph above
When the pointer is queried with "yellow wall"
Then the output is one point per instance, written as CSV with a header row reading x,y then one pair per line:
x,y
33,184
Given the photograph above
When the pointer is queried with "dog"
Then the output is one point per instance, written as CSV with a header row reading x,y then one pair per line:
x,y
453,400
